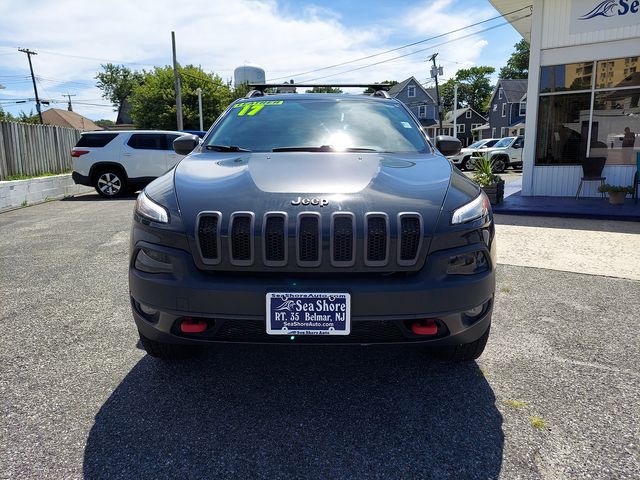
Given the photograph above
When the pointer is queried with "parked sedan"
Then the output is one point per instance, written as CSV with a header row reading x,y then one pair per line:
x,y
461,160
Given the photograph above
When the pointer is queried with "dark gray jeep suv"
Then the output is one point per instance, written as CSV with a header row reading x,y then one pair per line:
x,y
327,219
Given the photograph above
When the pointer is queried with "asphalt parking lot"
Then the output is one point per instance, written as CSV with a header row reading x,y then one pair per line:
x,y
554,396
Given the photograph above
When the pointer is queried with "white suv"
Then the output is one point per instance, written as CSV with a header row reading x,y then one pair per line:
x,y
115,162
461,160
506,153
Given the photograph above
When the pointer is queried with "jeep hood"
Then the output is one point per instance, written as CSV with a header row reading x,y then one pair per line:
x,y
355,182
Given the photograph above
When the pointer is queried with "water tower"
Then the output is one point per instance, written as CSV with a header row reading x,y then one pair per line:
x,y
248,74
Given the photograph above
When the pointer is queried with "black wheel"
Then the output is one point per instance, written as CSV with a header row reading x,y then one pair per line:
x,y
465,352
110,182
499,165
166,351
465,164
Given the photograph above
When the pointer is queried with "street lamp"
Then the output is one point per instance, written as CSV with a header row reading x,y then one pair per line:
x,y
199,92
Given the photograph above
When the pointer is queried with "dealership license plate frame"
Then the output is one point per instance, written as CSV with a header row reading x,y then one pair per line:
x,y
274,326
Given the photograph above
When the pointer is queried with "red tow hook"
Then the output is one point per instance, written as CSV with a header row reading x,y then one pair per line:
x,y
192,325
424,327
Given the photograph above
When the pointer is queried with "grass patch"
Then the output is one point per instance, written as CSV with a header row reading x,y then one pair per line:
x,y
515,404
27,177
24,203
505,290
537,422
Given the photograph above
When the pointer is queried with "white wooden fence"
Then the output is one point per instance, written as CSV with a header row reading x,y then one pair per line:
x,y
35,149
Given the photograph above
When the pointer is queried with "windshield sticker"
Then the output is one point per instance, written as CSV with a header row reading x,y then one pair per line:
x,y
406,124
249,109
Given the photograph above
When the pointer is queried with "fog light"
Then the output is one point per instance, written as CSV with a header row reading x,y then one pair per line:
x,y
147,310
468,264
474,312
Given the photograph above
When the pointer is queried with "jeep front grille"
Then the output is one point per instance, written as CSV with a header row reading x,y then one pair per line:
x,y
410,238
275,239
377,234
209,236
310,240
241,238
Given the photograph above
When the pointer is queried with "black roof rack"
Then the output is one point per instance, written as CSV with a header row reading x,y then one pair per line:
x,y
379,89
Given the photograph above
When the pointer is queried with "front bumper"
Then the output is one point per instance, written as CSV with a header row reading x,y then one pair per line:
x,y
382,306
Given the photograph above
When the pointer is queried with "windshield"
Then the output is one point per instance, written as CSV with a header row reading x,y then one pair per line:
x,y
319,124
505,142
477,144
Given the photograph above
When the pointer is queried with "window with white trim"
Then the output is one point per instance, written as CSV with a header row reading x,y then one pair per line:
x,y
475,125
500,94
504,109
523,108
504,132
493,132
460,127
468,114
422,111
411,91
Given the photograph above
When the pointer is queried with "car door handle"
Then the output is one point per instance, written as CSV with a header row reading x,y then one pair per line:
x,y
126,154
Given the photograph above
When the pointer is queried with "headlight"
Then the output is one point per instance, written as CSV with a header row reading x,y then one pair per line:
x,y
478,208
147,208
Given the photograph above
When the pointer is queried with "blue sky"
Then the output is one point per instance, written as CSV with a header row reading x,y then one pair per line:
x,y
285,37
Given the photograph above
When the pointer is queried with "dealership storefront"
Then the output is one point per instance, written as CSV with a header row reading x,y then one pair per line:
x,y
583,92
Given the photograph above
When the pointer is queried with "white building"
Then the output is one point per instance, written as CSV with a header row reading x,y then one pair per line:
x,y
583,92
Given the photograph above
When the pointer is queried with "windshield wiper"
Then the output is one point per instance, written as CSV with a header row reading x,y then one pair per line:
x,y
226,148
322,148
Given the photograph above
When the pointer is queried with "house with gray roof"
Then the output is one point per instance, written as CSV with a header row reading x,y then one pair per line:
x,y
419,101
467,121
507,109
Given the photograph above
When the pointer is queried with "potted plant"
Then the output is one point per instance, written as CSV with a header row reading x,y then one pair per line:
x,y
491,184
616,193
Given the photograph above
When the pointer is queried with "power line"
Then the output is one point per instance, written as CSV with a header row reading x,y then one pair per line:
x,y
406,46
417,51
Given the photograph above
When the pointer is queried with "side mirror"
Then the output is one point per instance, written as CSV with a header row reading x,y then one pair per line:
x,y
185,144
517,145
448,146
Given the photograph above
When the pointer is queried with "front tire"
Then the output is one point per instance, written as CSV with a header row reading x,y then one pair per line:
x,y
465,352
499,165
110,183
165,351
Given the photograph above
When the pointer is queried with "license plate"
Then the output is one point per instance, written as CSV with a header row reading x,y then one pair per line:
x,y
308,313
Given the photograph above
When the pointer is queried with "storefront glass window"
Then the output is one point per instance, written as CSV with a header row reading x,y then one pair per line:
x,y
616,126
621,72
561,78
563,122
565,118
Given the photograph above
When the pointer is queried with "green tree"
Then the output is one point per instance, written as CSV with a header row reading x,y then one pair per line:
x,y
104,123
518,64
117,83
153,102
369,90
324,90
474,87
30,118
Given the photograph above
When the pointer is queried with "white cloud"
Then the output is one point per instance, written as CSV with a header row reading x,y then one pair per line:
x,y
218,35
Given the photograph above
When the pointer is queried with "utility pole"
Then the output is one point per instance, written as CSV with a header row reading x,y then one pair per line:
x,y
69,106
455,108
33,78
176,78
435,71
199,92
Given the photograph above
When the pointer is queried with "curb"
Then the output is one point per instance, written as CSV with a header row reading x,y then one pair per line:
x,y
16,194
